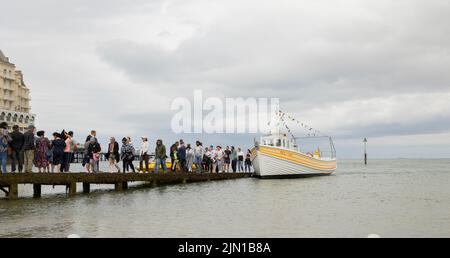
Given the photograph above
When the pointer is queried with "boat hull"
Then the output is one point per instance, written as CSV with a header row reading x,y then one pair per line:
x,y
272,162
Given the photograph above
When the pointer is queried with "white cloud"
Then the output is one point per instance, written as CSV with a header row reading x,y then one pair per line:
x,y
404,110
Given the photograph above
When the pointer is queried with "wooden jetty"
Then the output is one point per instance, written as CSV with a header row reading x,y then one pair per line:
x,y
9,182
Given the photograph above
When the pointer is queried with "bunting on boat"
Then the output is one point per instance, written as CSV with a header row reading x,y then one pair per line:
x,y
311,130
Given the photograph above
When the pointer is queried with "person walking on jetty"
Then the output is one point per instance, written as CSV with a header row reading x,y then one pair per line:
x,y
93,153
213,159
160,156
240,162
206,162
58,146
234,159
172,158
227,159
16,146
63,137
127,155
198,156
5,139
88,156
132,145
29,147
113,155
73,147
70,149
219,156
248,161
42,156
143,155
182,155
65,167
190,158
86,160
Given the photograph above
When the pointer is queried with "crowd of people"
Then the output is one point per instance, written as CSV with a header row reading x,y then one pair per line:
x,y
34,149
211,159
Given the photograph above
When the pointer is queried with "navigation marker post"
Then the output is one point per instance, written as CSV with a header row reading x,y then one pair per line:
x,y
365,151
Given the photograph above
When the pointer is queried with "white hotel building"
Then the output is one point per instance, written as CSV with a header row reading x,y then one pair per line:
x,y
14,96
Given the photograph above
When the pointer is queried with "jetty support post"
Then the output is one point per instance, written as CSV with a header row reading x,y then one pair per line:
x,y
37,190
72,188
13,192
86,188
120,186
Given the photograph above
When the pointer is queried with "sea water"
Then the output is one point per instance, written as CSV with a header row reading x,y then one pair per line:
x,y
387,198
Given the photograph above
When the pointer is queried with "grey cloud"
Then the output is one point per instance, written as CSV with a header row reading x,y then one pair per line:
x,y
357,56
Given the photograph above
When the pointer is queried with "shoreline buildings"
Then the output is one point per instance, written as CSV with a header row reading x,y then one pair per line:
x,y
15,99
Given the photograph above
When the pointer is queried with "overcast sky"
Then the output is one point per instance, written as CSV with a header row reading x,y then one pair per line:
x,y
353,69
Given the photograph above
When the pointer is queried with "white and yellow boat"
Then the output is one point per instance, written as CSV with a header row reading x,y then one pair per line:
x,y
278,156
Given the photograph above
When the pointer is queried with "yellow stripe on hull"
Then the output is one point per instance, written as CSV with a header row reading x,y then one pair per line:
x,y
298,158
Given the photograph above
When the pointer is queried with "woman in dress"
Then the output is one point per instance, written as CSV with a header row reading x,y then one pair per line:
x,y
113,155
43,155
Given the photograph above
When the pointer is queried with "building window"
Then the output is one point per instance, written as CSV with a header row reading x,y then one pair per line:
x,y
15,118
2,116
21,119
26,120
8,118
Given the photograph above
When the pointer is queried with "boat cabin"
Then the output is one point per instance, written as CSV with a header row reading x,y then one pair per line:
x,y
279,140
